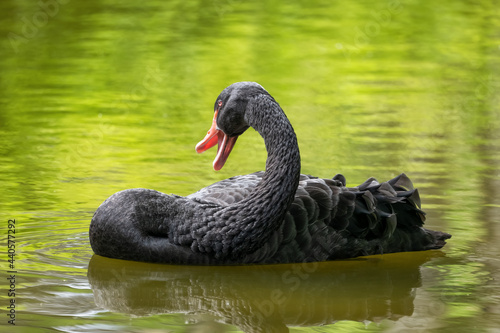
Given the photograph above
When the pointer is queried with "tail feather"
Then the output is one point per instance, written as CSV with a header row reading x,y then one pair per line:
x,y
382,210
437,239
401,183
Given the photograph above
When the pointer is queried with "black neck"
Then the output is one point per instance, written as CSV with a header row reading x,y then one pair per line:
x,y
240,229
253,220
281,178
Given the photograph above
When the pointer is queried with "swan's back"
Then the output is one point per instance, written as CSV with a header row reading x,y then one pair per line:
x,y
328,220
228,191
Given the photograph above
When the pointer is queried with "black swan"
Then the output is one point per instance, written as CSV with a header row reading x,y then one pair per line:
x,y
276,216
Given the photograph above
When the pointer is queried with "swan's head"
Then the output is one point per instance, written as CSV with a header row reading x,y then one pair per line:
x,y
229,119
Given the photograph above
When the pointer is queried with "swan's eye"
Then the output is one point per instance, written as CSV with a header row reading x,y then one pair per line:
x,y
220,104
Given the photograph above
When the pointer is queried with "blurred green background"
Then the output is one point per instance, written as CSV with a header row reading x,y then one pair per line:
x,y
100,96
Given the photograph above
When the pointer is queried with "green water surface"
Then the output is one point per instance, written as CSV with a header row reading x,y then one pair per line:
x,y
101,96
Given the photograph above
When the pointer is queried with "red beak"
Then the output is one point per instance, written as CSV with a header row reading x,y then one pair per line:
x,y
214,136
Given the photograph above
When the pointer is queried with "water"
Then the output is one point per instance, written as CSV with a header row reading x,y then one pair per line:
x,y
100,96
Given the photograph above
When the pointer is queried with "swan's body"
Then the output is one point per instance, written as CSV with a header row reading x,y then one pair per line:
x,y
275,216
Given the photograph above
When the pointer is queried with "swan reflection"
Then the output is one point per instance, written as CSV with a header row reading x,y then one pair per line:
x,y
264,298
